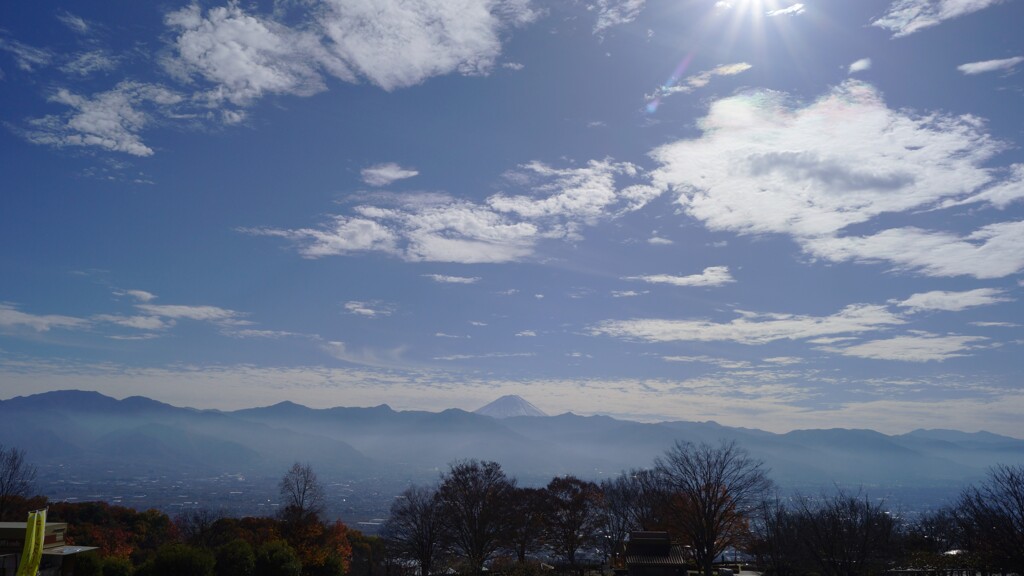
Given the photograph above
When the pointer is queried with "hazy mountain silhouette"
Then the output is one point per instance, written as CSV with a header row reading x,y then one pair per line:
x,y
508,407
89,429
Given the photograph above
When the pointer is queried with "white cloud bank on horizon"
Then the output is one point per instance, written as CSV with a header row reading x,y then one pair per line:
x,y
777,399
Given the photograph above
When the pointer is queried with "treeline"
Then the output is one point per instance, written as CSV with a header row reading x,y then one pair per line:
x,y
717,504
201,542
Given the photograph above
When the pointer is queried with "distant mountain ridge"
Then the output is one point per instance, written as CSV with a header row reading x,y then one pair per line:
x,y
90,429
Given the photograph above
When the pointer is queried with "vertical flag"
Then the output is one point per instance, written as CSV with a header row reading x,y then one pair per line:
x,y
32,555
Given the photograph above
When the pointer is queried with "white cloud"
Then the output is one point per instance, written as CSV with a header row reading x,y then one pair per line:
x,y
137,322
659,241
585,194
526,333
783,360
916,348
440,278
271,334
754,328
859,66
996,324
711,276
368,309
627,293
11,317
994,251
201,313
88,63
1002,193
140,295
73,22
385,174
503,228
720,362
990,65
110,120
763,167
400,43
612,13
789,10
246,56
953,301
347,235
691,83
387,359
28,58
905,17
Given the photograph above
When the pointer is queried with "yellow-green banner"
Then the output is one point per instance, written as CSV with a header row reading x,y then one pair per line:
x,y
32,555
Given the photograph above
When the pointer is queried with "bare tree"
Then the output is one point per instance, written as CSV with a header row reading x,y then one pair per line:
x,y
474,500
992,518
846,535
712,492
572,516
414,526
17,476
526,522
302,494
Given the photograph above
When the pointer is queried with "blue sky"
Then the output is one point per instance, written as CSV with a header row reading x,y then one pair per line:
x,y
771,214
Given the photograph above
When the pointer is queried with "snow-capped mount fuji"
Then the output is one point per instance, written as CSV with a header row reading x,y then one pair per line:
x,y
508,407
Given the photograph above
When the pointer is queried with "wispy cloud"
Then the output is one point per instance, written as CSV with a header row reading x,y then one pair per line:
x,y
109,120
753,328
990,65
994,251
28,58
904,17
791,10
503,228
612,13
953,301
11,317
686,85
150,322
368,309
88,63
720,362
442,279
201,313
711,276
73,22
922,347
385,174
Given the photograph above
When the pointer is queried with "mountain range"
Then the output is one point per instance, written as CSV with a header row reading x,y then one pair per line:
x,y
90,430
